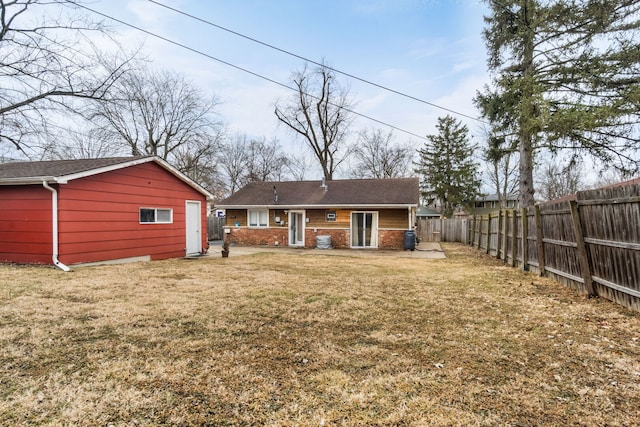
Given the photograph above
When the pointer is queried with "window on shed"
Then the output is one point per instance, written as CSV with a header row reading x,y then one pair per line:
x,y
156,216
258,218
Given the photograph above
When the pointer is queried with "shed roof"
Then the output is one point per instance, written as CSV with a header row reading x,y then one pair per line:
x,y
63,171
392,192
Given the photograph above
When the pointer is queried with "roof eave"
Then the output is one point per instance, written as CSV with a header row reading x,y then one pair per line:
x,y
340,206
32,180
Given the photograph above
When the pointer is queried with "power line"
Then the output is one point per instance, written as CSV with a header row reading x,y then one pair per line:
x,y
183,46
204,21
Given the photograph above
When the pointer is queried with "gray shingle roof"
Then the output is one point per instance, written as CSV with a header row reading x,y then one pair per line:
x,y
57,168
60,171
353,192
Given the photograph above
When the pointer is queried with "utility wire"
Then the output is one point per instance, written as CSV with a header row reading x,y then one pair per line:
x,y
204,21
183,46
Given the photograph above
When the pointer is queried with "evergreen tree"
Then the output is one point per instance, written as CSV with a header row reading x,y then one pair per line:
x,y
566,76
449,174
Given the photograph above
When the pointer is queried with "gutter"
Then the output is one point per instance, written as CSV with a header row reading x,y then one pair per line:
x,y
54,228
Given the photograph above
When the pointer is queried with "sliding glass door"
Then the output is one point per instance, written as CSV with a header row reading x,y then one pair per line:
x,y
364,229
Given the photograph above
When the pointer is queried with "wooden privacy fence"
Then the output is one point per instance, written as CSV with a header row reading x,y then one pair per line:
x,y
443,230
214,228
590,241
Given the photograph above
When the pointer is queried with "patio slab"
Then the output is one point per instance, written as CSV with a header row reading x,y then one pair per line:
x,y
424,250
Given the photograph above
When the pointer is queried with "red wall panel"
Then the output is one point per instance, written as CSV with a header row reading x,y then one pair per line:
x,y
99,215
25,224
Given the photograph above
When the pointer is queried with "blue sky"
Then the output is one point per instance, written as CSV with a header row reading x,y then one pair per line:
x,y
429,49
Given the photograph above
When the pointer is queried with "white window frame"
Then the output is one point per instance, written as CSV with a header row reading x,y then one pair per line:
x,y
260,215
155,215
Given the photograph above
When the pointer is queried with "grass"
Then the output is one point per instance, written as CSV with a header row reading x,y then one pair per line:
x,y
284,340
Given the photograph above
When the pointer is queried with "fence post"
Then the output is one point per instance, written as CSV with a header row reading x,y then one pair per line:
x,y
539,239
514,238
582,248
525,240
464,225
480,234
472,231
505,235
498,239
489,234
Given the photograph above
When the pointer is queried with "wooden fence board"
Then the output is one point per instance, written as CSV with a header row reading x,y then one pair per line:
x,y
214,228
592,248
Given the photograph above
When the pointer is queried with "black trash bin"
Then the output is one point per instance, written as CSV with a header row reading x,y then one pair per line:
x,y
410,240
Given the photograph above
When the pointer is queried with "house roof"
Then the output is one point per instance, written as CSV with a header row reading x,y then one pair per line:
x,y
63,171
426,212
392,192
495,197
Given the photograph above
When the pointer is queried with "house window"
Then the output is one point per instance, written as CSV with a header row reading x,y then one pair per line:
x,y
156,216
479,205
258,218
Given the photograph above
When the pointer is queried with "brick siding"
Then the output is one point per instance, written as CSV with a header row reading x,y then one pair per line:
x,y
340,238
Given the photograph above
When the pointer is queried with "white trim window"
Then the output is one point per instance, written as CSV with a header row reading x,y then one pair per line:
x,y
258,217
156,216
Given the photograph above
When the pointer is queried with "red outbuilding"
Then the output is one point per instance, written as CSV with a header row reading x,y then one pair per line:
x,y
69,212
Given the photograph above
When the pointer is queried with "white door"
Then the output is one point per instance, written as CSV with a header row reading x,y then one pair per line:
x,y
194,228
296,228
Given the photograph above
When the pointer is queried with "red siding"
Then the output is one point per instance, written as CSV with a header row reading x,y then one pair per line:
x,y
99,217
25,224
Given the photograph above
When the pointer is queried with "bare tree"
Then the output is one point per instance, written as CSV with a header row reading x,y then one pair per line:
x,y
76,144
503,167
232,158
162,114
48,60
320,113
376,155
200,163
265,161
243,160
297,167
556,180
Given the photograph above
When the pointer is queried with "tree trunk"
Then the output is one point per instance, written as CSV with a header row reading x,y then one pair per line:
x,y
528,125
526,172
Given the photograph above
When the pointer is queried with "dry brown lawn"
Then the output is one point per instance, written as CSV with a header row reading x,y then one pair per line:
x,y
311,340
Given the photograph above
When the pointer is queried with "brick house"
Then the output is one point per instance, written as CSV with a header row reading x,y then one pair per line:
x,y
353,213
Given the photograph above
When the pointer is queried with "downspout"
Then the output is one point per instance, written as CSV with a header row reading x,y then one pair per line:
x,y
54,228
